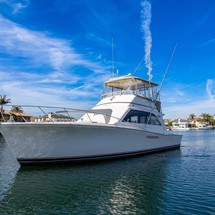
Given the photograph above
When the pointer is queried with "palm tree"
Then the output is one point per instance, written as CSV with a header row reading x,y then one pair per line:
x,y
16,113
16,109
207,117
3,101
192,116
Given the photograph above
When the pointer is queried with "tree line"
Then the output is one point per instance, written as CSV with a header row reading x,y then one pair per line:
x,y
204,117
3,101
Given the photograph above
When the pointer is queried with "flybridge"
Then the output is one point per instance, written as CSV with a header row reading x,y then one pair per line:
x,y
129,81
130,85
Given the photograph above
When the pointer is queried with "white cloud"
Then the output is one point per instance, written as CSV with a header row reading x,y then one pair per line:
x,y
101,41
179,93
208,42
185,104
40,48
176,92
40,69
145,28
184,110
33,90
210,88
18,6
15,5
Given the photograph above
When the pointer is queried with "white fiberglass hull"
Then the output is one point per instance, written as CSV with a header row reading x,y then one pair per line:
x,y
205,128
61,142
180,129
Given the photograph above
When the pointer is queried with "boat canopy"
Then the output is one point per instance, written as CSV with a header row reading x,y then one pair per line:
x,y
129,82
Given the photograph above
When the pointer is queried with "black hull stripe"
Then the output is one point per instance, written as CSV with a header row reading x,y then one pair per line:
x,y
30,161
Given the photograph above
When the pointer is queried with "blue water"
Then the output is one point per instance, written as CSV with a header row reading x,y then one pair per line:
x,y
175,182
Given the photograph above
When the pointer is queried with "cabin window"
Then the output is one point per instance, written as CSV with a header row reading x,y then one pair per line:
x,y
134,119
135,116
154,120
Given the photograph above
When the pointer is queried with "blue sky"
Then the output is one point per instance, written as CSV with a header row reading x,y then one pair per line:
x,y
59,52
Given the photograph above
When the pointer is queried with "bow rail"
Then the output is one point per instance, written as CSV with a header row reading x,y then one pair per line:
x,y
53,114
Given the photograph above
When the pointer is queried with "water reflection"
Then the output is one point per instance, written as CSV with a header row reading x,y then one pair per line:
x,y
8,168
130,186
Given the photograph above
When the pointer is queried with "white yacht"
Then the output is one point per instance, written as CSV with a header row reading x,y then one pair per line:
x,y
180,125
127,121
203,126
180,128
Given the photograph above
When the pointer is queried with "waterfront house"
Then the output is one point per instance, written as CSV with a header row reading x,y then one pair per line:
x,y
20,117
15,116
54,117
197,121
5,116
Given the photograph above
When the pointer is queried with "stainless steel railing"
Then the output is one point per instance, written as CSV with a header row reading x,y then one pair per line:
x,y
31,113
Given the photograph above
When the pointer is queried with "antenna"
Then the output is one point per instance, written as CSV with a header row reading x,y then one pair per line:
x,y
167,69
163,80
112,59
138,66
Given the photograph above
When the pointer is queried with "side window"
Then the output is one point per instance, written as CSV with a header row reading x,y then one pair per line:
x,y
142,117
132,116
154,120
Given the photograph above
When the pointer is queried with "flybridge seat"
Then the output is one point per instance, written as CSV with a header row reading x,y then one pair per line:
x,y
130,85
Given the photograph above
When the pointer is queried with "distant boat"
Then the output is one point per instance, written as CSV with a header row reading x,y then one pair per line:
x,y
180,125
180,128
203,126
127,121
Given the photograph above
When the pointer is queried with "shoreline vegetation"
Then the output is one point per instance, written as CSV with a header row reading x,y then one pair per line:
x,y
193,121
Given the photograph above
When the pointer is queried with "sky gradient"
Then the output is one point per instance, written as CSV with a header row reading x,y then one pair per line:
x,y
59,52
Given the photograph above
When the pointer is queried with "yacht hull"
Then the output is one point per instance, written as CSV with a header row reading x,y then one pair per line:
x,y
33,143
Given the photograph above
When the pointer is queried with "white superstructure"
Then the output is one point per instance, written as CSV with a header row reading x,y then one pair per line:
x,y
127,121
180,125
